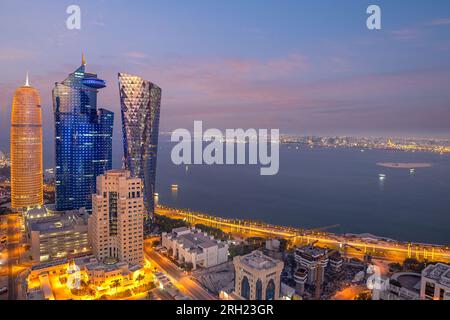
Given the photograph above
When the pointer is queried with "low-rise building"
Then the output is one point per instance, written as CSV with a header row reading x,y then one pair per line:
x,y
401,286
98,275
435,284
55,236
195,247
257,276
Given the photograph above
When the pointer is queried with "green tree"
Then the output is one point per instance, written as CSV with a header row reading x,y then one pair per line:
x,y
140,278
116,284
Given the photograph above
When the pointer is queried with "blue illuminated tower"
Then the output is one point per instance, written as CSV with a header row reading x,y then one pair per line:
x,y
83,139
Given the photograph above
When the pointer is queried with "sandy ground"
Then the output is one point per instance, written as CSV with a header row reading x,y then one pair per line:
x,y
404,165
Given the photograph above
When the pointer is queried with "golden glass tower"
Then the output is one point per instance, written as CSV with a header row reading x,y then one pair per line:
x,y
26,149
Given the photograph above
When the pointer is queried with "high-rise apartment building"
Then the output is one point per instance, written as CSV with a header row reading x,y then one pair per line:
x,y
140,105
116,225
83,138
312,260
26,149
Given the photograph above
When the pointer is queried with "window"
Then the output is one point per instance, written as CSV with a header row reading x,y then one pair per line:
x,y
259,290
245,288
270,291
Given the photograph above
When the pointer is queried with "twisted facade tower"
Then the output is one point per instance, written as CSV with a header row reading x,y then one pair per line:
x,y
140,102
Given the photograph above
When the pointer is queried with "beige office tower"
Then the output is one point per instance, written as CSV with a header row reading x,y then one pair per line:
x,y
116,224
26,149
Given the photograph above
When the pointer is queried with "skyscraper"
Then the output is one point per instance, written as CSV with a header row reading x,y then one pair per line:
x,y
83,138
140,105
116,228
26,149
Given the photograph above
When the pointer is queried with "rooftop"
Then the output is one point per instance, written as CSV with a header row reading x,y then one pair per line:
x,y
311,252
193,240
408,280
58,223
439,272
257,260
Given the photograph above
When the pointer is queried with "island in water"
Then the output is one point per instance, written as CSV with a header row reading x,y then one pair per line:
x,y
397,165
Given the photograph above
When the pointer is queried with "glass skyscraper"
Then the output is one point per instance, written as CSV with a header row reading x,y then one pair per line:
x,y
140,102
83,139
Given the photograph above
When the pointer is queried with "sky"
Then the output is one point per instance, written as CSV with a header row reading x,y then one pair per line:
x,y
304,67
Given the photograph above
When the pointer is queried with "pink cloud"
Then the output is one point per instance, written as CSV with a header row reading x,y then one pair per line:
x,y
136,55
13,54
440,22
405,34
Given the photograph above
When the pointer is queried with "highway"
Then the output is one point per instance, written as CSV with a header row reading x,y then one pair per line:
x,y
13,225
390,250
14,267
183,282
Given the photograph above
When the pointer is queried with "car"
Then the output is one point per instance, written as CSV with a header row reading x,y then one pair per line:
x,y
3,290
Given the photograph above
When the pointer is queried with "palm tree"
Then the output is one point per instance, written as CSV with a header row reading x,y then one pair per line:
x,y
140,277
115,284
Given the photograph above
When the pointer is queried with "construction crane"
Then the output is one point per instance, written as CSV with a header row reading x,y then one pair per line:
x,y
334,226
319,272
320,266
346,246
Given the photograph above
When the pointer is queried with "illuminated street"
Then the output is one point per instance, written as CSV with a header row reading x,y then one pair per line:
x,y
15,250
393,251
183,282
349,293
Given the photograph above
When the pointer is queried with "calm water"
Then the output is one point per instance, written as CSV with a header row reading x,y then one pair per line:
x,y
321,187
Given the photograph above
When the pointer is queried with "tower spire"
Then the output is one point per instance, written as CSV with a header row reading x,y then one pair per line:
x,y
83,59
27,81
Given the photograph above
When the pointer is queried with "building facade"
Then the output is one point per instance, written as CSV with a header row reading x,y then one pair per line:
x,y
140,102
195,247
312,260
400,286
116,224
26,149
435,284
100,276
83,139
257,276
57,236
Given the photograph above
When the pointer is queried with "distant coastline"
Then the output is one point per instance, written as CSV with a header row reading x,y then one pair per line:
x,y
397,165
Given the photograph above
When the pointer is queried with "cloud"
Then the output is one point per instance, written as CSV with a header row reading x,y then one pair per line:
x,y
279,92
13,54
405,34
98,23
440,22
136,55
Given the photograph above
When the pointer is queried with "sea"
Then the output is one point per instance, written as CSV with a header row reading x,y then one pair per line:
x,y
321,187
316,188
